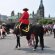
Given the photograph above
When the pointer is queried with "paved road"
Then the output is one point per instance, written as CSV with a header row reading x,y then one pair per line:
x,y
7,46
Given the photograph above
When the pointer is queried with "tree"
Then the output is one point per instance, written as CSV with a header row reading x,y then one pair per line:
x,y
42,21
50,21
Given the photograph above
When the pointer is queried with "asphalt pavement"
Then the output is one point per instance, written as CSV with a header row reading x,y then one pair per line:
x,y
7,46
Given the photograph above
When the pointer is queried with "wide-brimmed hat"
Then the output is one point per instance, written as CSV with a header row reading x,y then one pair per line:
x,y
25,9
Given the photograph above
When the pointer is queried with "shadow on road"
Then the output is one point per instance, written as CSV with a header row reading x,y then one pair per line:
x,y
38,50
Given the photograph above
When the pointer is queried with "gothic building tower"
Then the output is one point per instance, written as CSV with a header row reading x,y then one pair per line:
x,y
40,12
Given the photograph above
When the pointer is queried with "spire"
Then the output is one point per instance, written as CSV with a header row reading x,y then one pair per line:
x,y
41,8
41,3
33,14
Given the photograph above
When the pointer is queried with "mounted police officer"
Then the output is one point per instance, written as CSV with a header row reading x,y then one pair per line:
x,y
24,20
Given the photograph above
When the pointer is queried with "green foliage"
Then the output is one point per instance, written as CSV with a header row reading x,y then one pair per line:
x,y
45,21
50,21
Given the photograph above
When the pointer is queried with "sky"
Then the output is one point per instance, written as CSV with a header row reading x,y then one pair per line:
x,y
6,6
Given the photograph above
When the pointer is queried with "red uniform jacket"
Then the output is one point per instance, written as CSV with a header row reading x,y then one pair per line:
x,y
24,18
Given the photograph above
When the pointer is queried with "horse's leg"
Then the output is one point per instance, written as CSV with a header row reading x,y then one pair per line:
x,y
18,41
30,42
33,39
28,37
36,39
41,41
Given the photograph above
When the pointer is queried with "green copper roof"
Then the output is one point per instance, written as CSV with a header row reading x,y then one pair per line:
x,y
13,17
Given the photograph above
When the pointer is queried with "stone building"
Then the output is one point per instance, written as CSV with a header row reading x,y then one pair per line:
x,y
33,17
39,14
40,11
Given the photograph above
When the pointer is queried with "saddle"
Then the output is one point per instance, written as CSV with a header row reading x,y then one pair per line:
x,y
24,30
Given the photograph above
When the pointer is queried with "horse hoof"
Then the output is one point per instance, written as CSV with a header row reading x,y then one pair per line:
x,y
34,49
42,48
19,48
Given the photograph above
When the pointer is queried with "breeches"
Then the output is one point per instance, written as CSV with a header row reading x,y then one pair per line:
x,y
23,26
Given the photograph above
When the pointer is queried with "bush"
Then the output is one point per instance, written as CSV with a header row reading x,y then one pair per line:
x,y
45,21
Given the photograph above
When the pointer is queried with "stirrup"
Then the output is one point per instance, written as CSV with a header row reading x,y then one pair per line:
x,y
26,30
